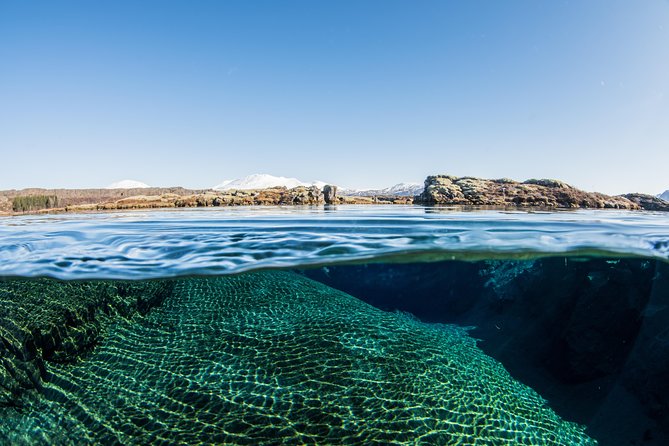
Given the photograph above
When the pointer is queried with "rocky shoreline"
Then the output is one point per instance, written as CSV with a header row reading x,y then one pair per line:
x,y
439,190
69,201
450,190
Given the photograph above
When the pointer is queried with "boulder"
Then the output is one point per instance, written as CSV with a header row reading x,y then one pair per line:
x,y
330,194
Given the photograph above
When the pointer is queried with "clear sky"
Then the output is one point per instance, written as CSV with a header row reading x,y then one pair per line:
x,y
358,93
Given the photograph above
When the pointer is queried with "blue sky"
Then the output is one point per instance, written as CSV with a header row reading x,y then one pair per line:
x,y
358,93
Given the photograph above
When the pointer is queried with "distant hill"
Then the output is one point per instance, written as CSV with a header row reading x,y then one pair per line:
x,y
665,195
401,190
264,181
70,197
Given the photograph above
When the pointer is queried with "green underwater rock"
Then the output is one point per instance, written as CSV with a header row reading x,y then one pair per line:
x,y
276,358
59,322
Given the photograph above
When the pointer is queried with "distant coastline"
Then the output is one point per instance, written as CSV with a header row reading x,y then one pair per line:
x,y
438,190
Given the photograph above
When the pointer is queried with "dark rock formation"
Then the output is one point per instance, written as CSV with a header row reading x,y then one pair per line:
x,y
648,202
445,189
330,194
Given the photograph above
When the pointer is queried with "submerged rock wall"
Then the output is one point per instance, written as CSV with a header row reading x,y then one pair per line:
x,y
47,321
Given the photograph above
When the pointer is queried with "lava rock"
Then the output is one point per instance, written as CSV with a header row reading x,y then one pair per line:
x,y
330,194
648,202
450,190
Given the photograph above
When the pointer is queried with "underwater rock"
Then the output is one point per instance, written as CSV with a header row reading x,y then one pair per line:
x,y
446,189
275,358
47,321
648,368
589,334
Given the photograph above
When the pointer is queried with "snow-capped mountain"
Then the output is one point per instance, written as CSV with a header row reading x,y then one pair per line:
x,y
127,184
664,195
405,189
401,189
263,181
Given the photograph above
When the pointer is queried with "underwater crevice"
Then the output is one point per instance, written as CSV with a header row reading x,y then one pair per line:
x,y
585,333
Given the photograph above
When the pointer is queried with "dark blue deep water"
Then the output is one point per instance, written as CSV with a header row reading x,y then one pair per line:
x,y
354,325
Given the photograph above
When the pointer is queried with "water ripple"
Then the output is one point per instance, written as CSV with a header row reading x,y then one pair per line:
x,y
152,244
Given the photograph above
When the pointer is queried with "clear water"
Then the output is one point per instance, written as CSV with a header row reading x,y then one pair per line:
x,y
158,244
356,325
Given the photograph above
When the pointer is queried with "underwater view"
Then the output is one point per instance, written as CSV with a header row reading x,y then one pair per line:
x,y
355,325
334,222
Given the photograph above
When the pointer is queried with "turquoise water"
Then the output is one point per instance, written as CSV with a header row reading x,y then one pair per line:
x,y
156,244
357,325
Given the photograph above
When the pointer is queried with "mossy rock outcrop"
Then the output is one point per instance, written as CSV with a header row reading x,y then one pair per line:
x,y
450,190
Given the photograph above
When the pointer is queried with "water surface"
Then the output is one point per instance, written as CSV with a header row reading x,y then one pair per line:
x,y
141,245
